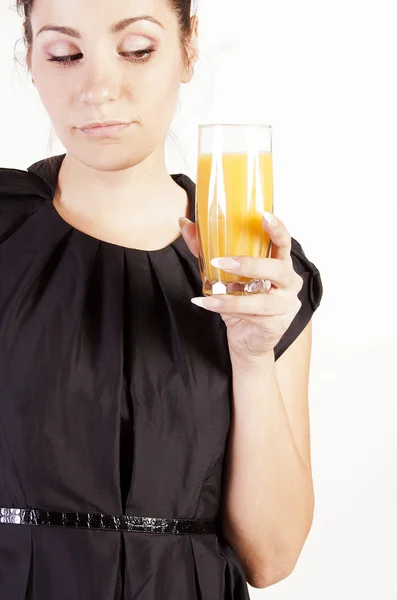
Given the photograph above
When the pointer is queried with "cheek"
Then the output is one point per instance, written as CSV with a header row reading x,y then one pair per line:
x,y
161,94
54,94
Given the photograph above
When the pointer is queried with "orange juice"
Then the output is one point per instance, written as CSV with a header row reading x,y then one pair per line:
x,y
233,190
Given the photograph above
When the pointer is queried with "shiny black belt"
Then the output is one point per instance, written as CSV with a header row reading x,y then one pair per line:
x,y
49,518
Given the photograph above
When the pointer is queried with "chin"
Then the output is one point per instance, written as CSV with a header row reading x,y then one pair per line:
x,y
110,154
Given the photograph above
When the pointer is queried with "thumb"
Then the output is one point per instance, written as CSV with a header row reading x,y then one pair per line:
x,y
189,234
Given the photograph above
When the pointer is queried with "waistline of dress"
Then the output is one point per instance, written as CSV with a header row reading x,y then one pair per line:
x,y
50,518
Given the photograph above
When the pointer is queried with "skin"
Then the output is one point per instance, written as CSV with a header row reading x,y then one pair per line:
x,y
130,168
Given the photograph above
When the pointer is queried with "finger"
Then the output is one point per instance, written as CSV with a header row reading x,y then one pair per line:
x,y
275,324
278,272
279,235
189,234
260,305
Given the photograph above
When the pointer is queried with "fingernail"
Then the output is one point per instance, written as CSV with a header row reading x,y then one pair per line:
x,y
226,263
270,219
207,302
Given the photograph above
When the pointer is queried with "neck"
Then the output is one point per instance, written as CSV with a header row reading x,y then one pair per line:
x,y
136,206
141,188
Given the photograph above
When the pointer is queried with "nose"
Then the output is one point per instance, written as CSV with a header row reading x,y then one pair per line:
x,y
101,80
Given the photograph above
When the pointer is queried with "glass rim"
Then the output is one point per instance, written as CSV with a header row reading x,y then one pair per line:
x,y
258,125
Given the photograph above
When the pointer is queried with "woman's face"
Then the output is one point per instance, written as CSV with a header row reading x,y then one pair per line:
x,y
102,79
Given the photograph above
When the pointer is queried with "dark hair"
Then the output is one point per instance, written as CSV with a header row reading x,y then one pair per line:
x,y
182,9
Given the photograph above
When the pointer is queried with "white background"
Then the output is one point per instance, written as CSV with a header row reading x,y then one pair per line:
x,y
323,74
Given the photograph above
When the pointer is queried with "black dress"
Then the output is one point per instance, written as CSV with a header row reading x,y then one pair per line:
x,y
115,399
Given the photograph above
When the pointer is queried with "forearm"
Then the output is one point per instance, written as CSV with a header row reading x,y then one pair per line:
x,y
268,493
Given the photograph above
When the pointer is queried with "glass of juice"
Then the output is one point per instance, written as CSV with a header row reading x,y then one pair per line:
x,y
234,188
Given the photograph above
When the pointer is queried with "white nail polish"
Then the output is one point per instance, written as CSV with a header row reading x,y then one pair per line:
x,y
197,302
207,302
226,263
269,218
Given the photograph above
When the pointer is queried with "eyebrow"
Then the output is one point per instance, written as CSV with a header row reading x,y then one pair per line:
x,y
116,28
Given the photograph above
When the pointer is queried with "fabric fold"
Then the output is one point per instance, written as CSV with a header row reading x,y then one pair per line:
x,y
213,555
16,562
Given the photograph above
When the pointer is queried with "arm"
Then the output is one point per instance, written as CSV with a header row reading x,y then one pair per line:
x,y
268,495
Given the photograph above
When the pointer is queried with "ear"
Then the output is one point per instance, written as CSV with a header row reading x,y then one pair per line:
x,y
193,50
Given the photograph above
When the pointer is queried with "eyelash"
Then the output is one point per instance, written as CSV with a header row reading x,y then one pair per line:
x,y
67,61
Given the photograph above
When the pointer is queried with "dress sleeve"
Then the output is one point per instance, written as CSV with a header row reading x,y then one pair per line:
x,y
21,195
310,296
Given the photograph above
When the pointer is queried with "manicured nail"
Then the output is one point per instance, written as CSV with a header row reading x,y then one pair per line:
x,y
226,263
270,219
207,302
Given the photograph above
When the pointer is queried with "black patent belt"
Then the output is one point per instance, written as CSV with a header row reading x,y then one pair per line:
x,y
48,518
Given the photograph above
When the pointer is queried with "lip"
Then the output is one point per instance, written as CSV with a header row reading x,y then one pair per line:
x,y
103,128
95,124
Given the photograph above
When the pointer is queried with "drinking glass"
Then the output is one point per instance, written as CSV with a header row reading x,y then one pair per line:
x,y
234,188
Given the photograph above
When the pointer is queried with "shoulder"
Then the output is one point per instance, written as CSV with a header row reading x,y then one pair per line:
x,y
16,183
299,257
312,290
310,296
22,193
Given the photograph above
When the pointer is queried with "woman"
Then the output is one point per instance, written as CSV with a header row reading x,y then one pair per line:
x,y
120,399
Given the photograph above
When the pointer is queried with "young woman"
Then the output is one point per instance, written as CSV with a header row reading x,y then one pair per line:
x,y
148,448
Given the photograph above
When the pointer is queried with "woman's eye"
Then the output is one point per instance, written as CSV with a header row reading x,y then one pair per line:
x,y
138,55
65,60
134,56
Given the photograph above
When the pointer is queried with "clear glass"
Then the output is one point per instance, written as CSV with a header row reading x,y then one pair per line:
x,y
234,188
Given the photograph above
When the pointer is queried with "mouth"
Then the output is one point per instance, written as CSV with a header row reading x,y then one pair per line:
x,y
103,129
